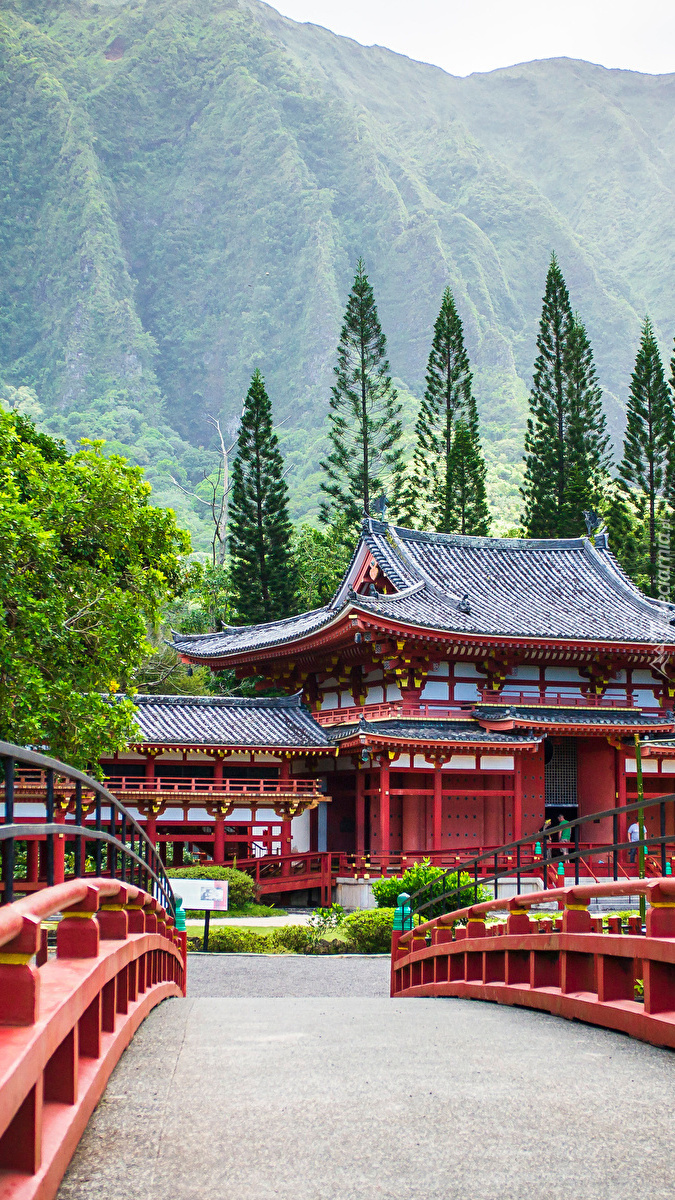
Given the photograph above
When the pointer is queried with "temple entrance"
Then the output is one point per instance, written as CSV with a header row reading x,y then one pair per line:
x,y
560,777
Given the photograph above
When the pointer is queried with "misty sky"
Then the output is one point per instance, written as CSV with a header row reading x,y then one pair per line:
x,y
479,35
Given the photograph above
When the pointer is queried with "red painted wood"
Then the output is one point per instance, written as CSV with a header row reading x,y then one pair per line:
x,y
53,1070
579,972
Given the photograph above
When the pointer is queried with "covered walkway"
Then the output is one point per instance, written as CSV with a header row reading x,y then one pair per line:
x,y
294,1078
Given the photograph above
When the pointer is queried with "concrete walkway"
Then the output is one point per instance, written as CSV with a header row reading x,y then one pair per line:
x,y
249,1095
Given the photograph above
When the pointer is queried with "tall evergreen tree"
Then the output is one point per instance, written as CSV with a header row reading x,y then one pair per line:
x,y
566,443
587,444
545,462
645,478
466,509
446,486
366,456
262,570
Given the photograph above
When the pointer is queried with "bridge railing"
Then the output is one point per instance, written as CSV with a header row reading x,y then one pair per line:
x,y
120,847
567,965
66,1017
546,855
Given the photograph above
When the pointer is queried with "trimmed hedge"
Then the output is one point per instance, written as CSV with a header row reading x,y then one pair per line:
x,y
368,930
230,940
242,889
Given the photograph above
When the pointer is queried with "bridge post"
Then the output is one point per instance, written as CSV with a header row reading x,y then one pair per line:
x,y
78,932
112,918
19,981
661,913
576,918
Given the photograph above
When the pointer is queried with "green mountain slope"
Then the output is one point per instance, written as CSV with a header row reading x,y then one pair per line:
x,y
186,188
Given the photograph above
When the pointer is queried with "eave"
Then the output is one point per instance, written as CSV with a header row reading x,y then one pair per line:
x,y
352,619
368,740
222,750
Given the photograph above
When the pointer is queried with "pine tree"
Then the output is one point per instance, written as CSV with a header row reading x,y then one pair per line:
x,y
446,487
567,445
545,462
366,457
466,508
587,444
645,474
263,576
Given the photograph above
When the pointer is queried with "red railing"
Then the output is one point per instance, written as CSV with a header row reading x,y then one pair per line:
x,y
29,782
320,869
66,1019
441,709
567,966
294,872
555,699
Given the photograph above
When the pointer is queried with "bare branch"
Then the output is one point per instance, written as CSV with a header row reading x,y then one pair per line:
x,y
76,616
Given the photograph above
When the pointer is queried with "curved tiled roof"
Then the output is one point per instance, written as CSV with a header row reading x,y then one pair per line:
x,y
227,721
433,731
539,714
563,589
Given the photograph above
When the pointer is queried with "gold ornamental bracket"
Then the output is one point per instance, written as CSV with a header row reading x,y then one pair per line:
x,y
220,808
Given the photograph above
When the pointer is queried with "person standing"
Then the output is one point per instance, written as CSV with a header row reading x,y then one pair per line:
x,y
634,838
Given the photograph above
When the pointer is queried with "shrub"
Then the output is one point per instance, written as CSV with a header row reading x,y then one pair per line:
x,y
387,891
227,940
323,920
368,930
242,888
290,937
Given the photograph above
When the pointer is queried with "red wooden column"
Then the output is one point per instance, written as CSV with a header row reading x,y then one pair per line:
x,y
150,827
218,773
286,835
33,864
385,843
621,799
219,839
150,769
59,848
438,806
360,811
517,797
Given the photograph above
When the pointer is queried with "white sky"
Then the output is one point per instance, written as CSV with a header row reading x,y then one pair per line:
x,y
479,35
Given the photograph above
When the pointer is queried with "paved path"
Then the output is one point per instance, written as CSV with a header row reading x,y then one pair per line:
x,y
247,1096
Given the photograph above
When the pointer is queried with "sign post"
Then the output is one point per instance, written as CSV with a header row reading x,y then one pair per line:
x,y
205,895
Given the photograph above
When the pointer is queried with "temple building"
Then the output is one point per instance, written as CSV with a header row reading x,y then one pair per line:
x,y
453,693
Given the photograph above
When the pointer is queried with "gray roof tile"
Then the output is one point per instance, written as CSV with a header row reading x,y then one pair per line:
x,y
612,718
566,589
228,721
432,731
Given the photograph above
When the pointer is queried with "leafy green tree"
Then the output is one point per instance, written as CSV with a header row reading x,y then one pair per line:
x,y
321,559
364,427
86,563
203,607
645,473
262,569
446,483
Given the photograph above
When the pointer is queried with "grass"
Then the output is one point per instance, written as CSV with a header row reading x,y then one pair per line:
x,y
248,910
196,929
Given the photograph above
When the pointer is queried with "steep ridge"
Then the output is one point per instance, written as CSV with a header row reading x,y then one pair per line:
x,y
188,185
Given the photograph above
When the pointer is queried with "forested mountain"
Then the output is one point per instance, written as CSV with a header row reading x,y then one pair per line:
x,y
187,185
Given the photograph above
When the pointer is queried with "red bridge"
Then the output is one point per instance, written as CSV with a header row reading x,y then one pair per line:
x,y
69,1007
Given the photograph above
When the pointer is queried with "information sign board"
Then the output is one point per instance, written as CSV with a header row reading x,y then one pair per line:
x,y
206,895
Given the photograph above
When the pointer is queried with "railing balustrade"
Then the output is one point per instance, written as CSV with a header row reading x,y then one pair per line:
x,y
121,851
442,709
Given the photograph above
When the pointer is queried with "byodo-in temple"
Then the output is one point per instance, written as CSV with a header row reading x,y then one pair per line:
x,y
454,693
